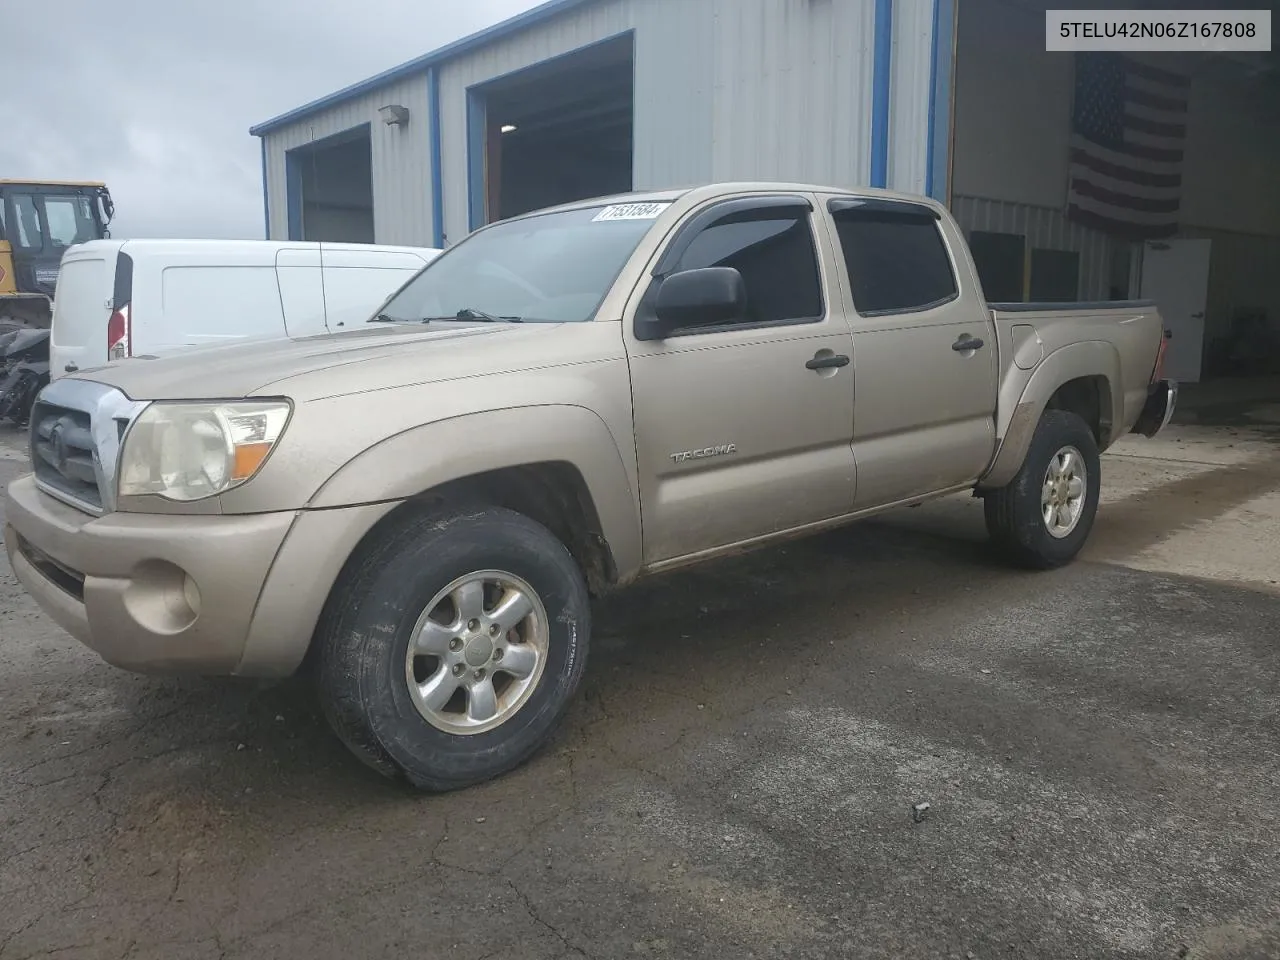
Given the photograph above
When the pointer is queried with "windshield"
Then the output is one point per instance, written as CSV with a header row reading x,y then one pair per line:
x,y
550,268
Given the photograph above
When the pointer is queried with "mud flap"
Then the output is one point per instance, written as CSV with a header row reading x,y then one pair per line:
x,y
1158,410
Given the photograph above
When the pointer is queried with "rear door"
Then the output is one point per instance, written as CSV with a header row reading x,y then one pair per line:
x,y
81,309
358,281
925,360
744,430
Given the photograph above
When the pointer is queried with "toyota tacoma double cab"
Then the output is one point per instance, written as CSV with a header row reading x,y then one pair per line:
x,y
420,510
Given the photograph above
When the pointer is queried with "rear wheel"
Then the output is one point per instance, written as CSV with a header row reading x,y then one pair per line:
x,y
454,647
1043,517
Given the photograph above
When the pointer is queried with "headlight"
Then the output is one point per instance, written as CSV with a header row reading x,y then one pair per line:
x,y
189,451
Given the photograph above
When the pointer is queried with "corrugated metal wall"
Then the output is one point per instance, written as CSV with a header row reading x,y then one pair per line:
x,y
401,161
1046,228
672,76
793,90
724,90
911,82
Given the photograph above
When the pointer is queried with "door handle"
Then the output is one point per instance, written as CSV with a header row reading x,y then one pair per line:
x,y
966,343
827,363
71,368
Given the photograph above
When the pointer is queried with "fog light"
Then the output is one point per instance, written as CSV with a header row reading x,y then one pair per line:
x,y
161,598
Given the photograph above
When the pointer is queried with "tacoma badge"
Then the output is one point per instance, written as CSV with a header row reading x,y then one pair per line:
x,y
721,450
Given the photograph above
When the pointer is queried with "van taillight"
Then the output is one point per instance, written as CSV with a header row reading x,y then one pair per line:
x,y
119,343
1158,373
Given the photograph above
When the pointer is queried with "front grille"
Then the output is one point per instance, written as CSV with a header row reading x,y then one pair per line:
x,y
62,453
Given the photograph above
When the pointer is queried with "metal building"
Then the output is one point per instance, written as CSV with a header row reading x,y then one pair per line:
x,y
601,96
957,99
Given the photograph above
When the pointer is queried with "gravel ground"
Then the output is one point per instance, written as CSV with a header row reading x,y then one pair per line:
x,y
1099,747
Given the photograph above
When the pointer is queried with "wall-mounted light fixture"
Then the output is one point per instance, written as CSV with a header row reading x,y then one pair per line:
x,y
395,115
509,128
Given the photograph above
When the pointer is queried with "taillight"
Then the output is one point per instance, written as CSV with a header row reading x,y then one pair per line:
x,y
1159,373
119,342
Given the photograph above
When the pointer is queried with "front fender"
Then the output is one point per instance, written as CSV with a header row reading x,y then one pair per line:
x,y
425,457
1025,394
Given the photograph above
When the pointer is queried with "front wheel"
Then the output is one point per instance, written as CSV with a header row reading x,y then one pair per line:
x,y
1042,518
454,646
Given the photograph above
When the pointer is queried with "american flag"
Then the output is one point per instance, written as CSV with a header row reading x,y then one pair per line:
x,y
1128,126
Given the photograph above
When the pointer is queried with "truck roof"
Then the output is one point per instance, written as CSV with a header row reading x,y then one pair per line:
x,y
712,191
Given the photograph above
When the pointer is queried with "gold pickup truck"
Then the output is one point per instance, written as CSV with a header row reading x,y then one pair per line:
x,y
420,509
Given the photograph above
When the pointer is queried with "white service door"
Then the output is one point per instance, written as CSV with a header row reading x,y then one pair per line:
x,y
1175,274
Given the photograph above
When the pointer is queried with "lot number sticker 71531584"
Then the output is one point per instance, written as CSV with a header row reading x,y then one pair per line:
x,y
631,211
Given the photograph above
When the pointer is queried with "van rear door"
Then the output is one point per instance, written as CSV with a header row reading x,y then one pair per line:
x,y
358,281
82,309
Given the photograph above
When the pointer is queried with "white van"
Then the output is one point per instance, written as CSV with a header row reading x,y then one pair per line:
x,y
123,298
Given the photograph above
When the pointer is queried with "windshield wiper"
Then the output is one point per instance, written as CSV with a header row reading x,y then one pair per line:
x,y
470,313
384,318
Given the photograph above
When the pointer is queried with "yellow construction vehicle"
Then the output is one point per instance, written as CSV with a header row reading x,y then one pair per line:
x,y
39,220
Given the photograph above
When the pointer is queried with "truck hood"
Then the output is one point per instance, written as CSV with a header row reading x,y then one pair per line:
x,y
379,356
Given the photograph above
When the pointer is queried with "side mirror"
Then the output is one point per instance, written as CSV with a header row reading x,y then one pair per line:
x,y
706,297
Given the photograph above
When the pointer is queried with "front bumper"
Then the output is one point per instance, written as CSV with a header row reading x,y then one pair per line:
x,y
182,594
1162,398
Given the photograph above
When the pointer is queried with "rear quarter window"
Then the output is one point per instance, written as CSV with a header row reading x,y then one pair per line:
x,y
897,263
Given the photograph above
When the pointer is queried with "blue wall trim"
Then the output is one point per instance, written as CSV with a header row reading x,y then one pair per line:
x,y
477,135
507,27
940,77
266,196
881,72
437,158
293,193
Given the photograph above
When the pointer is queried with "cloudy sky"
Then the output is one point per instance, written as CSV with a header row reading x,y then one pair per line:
x,y
156,97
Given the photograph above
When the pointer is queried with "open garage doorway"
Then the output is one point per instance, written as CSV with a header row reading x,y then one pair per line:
x,y
331,189
1113,176
558,132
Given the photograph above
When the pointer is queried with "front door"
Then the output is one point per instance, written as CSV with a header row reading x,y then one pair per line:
x,y
1175,274
925,358
743,430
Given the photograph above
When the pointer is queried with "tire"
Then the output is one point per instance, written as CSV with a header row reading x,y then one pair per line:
x,y
1015,513
367,680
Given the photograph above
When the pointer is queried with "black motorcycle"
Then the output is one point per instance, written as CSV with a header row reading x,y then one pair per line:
x,y
24,370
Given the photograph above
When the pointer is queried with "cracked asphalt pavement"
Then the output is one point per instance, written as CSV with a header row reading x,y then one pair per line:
x,y
1099,747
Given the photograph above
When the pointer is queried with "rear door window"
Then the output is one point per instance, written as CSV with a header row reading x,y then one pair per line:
x,y
79,310
896,258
